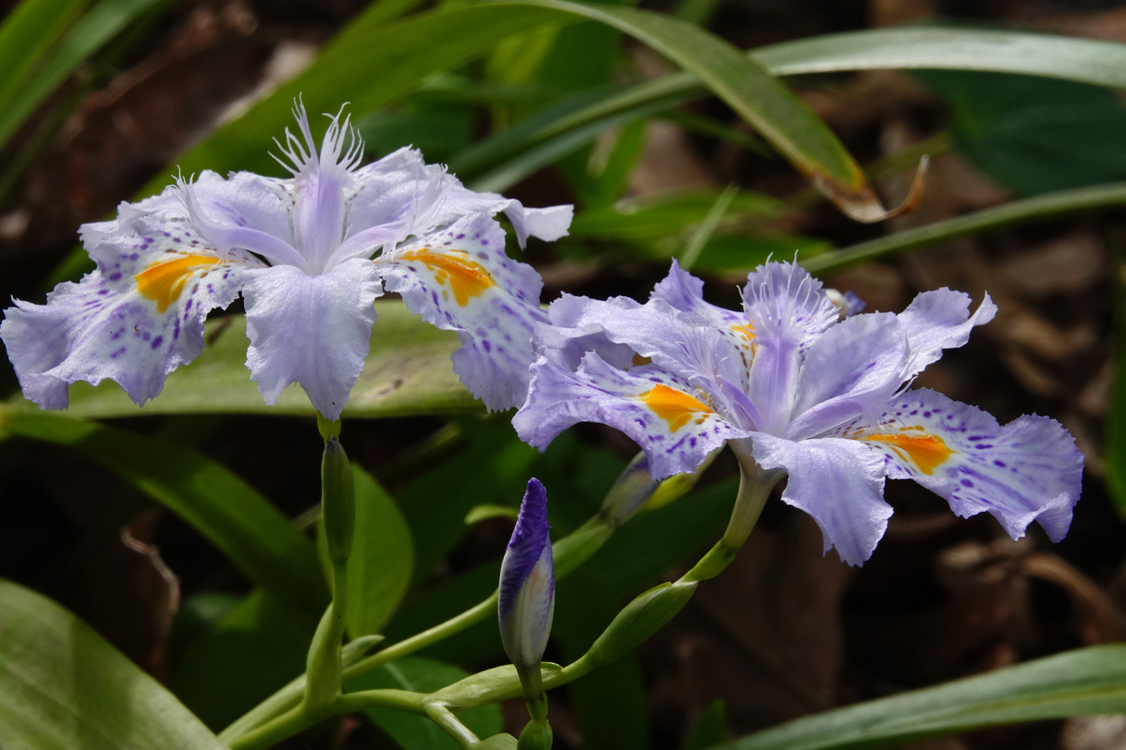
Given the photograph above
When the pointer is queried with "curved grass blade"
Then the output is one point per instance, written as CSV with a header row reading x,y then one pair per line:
x,y
399,55
257,538
1040,208
63,687
1084,682
27,36
1083,60
93,30
408,371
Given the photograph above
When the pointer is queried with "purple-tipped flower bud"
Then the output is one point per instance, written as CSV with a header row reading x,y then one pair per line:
x,y
527,589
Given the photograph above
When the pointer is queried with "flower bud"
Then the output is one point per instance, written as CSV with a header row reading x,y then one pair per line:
x,y
640,619
338,497
536,735
527,589
631,491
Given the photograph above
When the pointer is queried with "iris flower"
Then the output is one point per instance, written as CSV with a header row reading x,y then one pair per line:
x,y
794,387
300,251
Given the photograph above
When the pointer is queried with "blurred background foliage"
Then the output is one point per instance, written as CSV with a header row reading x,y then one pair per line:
x,y
185,533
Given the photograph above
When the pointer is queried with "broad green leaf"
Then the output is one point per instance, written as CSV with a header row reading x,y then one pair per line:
x,y
222,507
420,675
1085,682
98,26
710,728
408,371
382,562
62,687
1035,135
1040,208
256,648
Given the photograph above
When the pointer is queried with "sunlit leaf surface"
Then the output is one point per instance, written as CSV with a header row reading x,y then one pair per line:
x,y
65,688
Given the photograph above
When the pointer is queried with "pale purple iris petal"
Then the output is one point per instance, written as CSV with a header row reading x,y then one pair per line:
x,y
789,310
682,343
312,330
685,292
573,333
111,326
549,223
1029,470
461,280
850,370
838,482
526,594
225,226
940,320
676,439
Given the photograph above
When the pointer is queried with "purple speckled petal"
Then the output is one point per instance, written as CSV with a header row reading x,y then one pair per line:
x,y
789,310
851,369
526,592
668,418
312,330
681,343
460,279
1029,470
838,482
940,320
133,320
685,292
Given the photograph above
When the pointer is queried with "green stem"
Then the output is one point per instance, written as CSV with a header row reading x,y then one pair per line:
x,y
301,717
1040,208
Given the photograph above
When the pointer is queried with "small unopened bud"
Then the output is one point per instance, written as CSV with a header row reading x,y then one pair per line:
x,y
848,303
630,492
338,498
527,590
640,619
536,735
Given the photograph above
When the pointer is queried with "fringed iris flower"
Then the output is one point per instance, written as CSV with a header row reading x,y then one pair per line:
x,y
300,251
796,386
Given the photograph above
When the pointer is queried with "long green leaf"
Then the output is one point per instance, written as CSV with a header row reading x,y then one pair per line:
x,y
101,24
398,56
62,687
27,35
408,371
1077,683
217,503
1040,208
571,124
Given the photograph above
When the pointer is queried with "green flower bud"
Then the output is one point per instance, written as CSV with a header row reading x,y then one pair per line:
x,y
641,618
339,501
536,735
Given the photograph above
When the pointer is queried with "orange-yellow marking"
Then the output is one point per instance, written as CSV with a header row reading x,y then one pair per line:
x,y
673,406
747,331
927,451
163,281
467,278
